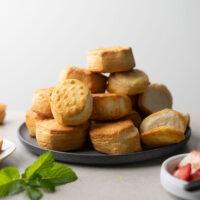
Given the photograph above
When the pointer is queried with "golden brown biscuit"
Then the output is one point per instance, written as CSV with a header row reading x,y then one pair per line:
x,y
115,137
2,112
135,117
41,102
162,136
130,83
31,119
166,117
71,102
110,106
51,135
1,142
156,97
109,60
187,118
94,81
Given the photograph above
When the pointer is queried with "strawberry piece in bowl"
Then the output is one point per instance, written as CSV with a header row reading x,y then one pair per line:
x,y
194,159
189,167
177,178
183,172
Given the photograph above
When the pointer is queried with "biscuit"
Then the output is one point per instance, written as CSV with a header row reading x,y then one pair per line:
x,y
162,136
31,119
166,117
130,83
41,102
2,112
109,60
51,135
187,118
94,81
71,102
109,106
1,142
156,97
119,137
134,100
135,117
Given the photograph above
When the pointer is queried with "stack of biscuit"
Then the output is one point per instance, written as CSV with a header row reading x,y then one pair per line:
x,y
124,109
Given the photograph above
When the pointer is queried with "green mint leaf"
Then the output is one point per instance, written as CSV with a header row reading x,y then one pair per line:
x,y
47,185
58,174
9,181
44,161
43,173
43,184
10,172
33,193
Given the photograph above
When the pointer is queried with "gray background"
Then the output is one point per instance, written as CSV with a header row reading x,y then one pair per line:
x,y
38,38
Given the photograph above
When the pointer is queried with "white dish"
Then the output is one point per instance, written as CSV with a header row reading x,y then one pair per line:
x,y
8,148
174,185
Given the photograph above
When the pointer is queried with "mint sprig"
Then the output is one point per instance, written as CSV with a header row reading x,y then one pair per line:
x,y
44,161
43,173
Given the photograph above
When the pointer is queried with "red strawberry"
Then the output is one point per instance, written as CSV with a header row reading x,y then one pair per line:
x,y
195,176
194,159
183,172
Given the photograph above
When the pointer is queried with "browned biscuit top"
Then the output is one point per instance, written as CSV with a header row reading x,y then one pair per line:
x,y
96,82
74,69
102,50
34,115
42,92
52,125
41,101
70,97
111,128
162,136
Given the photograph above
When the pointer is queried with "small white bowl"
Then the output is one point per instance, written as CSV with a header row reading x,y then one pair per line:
x,y
174,185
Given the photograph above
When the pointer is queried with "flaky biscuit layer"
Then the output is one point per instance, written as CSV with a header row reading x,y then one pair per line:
x,y
115,137
109,60
135,117
41,102
109,106
162,136
31,119
130,83
51,135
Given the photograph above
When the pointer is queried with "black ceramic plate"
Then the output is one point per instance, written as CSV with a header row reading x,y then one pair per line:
x,y
89,156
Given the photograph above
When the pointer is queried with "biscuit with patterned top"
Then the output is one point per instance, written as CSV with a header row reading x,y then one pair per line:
x,y
71,102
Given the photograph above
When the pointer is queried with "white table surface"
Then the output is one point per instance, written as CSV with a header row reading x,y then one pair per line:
x,y
135,181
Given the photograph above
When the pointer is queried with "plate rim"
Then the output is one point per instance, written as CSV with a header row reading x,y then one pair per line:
x,y
99,155
9,150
